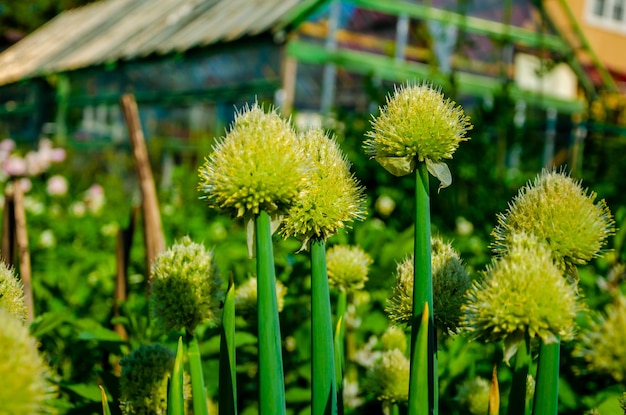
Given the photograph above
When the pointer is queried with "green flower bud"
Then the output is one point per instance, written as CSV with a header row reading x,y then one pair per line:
x,y
417,124
559,212
473,395
331,196
388,377
186,287
246,299
143,383
450,282
394,338
258,165
602,345
347,267
12,293
521,292
24,375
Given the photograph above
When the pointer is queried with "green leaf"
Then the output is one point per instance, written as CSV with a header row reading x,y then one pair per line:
x,y
105,403
175,396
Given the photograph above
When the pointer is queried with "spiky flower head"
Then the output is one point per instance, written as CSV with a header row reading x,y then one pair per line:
x,y
144,379
246,298
24,375
347,267
450,282
388,377
394,338
186,286
331,197
559,212
257,166
602,346
473,395
12,293
417,125
523,292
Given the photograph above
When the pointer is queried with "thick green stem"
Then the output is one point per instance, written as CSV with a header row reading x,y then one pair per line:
x,y
547,386
517,395
271,378
324,395
228,374
340,341
175,396
422,402
198,392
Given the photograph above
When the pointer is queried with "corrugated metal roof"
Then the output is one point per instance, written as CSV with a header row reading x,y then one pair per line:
x,y
111,30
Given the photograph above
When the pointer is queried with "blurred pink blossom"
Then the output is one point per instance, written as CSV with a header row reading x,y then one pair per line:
x,y
7,145
25,184
57,186
57,155
14,166
94,197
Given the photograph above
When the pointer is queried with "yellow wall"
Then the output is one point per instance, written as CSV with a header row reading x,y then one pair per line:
x,y
609,45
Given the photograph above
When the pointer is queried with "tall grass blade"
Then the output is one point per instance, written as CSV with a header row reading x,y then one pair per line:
x,y
175,397
494,393
105,403
228,374
198,392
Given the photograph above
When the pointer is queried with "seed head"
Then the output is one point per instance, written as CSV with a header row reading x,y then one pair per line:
x,y
388,377
257,166
12,293
559,212
394,338
347,267
246,299
521,292
24,375
602,345
450,282
331,196
473,395
417,124
186,287
143,383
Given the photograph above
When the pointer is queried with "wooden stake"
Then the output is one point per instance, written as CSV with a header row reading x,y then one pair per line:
x,y
124,242
8,228
23,253
152,227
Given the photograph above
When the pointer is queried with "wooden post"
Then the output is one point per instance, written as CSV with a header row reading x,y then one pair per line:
x,y
8,228
23,253
124,242
152,228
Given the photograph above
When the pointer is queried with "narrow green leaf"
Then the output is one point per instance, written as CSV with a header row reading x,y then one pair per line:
x,y
271,374
494,393
340,354
324,394
175,397
228,374
105,403
198,393
547,385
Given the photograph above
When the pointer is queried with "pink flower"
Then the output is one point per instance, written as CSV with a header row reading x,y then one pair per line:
x,y
57,155
14,166
57,186
7,145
